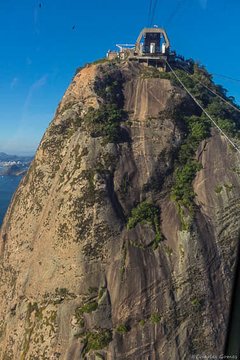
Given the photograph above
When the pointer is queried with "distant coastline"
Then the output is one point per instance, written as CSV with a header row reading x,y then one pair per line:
x,y
14,165
12,169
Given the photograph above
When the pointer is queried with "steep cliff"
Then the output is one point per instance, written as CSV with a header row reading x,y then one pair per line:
x,y
112,248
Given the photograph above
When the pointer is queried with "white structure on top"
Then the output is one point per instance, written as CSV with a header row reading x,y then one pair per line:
x,y
151,44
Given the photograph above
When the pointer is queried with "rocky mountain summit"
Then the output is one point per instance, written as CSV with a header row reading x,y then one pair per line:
x,y
121,240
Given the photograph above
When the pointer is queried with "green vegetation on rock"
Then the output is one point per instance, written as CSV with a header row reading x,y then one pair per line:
x,y
61,294
148,213
86,308
99,61
144,212
155,318
218,189
196,303
99,356
198,128
106,120
182,191
102,290
122,329
96,340
38,321
228,187
123,259
152,72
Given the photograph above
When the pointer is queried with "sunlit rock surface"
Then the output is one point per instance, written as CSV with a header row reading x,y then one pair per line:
x,y
75,282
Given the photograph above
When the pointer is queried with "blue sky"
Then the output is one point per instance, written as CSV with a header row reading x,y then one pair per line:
x,y
40,51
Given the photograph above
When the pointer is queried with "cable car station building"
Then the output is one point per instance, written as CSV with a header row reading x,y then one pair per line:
x,y
152,48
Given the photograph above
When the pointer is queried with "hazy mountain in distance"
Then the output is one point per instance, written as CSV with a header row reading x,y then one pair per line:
x,y
6,157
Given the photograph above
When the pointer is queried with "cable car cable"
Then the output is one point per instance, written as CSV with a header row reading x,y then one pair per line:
x,y
149,13
213,92
180,4
202,108
226,77
231,347
153,12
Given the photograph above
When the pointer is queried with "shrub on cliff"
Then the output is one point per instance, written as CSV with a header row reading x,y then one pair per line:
x,y
148,213
144,212
105,121
198,128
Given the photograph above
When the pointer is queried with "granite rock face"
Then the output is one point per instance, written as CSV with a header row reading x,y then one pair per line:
x,y
75,281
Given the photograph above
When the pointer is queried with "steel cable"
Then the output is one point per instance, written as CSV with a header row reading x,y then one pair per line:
x,y
202,108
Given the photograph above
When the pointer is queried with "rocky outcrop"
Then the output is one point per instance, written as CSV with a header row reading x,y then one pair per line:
x,y
77,280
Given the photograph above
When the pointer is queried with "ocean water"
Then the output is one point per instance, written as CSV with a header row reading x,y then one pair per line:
x,y
8,185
